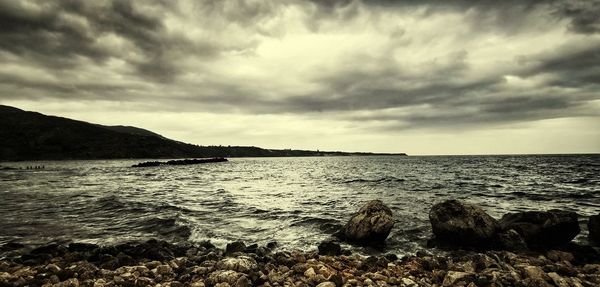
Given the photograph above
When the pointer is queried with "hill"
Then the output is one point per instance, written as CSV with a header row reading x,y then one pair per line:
x,y
28,135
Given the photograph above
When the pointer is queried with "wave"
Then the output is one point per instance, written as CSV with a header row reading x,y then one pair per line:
x,y
329,226
166,227
375,180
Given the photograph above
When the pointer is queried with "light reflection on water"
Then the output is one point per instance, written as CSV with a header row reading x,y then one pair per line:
x,y
295,201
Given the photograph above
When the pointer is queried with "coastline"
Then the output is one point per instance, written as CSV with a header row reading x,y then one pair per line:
x,y
159,263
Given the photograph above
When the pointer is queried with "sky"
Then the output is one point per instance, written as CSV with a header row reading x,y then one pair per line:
x,y
421,77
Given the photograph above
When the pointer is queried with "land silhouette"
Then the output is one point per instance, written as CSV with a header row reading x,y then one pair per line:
x,y
29,135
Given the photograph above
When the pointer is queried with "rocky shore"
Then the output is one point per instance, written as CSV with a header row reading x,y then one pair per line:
x,y
158,263
527,249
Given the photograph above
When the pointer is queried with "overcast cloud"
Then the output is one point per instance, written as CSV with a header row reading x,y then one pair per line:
x,y
505,76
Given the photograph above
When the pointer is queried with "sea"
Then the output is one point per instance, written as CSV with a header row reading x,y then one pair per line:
x,y
296,202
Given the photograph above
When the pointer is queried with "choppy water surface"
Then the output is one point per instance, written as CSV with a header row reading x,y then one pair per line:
x,y
295,201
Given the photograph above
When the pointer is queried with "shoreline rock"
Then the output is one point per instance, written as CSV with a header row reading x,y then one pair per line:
x,y
543,229
594,229
461,224
370,226
204,265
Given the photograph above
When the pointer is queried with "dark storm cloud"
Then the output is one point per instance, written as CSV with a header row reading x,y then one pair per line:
x,y
167,55
56,33
584,15
570,66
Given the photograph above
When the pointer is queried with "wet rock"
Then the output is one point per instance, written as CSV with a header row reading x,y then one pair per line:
x,y
272,245
236,246
371,225
330,248
458,223
594,229
511,240
124,259
82,247
543,229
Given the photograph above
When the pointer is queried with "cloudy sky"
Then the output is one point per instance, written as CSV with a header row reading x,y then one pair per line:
x,y
422,77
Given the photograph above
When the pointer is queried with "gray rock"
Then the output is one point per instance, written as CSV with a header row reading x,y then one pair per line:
x,y
326,284
459,223
594,229
236,246
543,229
371,225
511,240
329,247
230,277
243,264
454,277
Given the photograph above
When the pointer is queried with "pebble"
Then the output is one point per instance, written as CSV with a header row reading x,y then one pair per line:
x,y
326,284
211,267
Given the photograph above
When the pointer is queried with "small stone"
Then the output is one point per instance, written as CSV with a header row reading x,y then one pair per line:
x,y
535,273
153,264
100,283
310,272
408,282
72,282
164,269
558,256
591,268
242,264
558,281
52,268
144,281
453,277
119,280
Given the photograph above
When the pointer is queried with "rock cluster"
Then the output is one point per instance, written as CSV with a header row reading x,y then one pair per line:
x,y
165,264
460,224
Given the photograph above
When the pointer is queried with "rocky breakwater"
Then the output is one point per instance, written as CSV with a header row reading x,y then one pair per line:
x,y
180,162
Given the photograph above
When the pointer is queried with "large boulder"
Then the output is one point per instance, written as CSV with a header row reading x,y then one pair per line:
x,y
458,223
543,229
594,229
371,225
